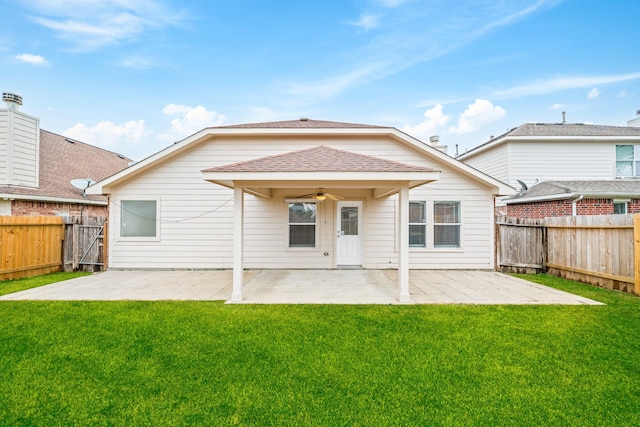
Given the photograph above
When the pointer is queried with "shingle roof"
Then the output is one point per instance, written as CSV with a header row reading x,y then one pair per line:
x,y
61,161
298,124
591,188
319,159
572,129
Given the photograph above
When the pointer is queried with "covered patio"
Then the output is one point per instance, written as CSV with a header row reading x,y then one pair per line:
x,y
303,287
321,167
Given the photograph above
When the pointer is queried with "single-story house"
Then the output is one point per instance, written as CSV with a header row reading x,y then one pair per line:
x,y
582,197
301,194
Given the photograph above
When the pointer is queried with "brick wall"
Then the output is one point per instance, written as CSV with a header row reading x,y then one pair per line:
x,y
564,208
29,207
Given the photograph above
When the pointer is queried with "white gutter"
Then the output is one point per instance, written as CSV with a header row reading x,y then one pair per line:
x,y
574,202
6,196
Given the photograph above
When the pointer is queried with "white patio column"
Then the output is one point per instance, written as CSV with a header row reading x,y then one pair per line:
x,y
403,251
238,242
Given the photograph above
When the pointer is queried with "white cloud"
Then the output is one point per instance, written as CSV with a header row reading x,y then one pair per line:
x,y
434,120
476,114
412,34
593,93
88,25
557,106
366,22
562,83
108,135
190,120
32,59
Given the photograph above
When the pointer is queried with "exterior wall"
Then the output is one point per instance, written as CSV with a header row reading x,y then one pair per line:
x,y
19,148
493,162
196,217
29,207
564,208
555,160
529,161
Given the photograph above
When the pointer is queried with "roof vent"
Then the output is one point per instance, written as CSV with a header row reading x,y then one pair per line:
x,y
434,140
637,112
13,100
304,119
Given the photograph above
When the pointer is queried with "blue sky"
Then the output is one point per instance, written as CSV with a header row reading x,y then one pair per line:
x,y
133,76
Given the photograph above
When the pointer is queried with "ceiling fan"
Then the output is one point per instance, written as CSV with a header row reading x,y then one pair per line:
x,y
321,195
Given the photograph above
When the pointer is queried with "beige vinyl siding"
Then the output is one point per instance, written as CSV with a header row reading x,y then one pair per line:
x,y
207,241
558,160
492,162
4,147
20,149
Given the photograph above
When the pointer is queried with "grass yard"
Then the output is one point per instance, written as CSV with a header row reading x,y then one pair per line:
x,y
207,363
10,286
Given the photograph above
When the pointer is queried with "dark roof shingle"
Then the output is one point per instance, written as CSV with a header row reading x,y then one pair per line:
x,y
300,124
319,159
62,160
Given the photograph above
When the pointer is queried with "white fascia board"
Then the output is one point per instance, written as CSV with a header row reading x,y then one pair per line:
x,y
315,179
586,195
52,199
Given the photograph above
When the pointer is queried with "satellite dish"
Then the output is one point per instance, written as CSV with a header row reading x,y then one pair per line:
x,y
82,184
524,186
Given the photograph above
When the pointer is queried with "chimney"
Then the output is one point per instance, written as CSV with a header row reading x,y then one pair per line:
x,y
564,117
635,122
435,143
13,100
19,144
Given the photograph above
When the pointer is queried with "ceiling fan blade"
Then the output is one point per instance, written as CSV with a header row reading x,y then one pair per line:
x,y
334,197
306,196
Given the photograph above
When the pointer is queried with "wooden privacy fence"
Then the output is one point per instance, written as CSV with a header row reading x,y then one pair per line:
x,y
34,245
602,250
30,246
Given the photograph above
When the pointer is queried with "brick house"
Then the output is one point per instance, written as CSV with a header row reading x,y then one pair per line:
x,y
564,168
37,167
566,198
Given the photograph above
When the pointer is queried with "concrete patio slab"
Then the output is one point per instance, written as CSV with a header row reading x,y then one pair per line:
x,y
304,287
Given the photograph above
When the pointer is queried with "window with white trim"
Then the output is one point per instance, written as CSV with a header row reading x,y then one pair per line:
x,y
417,224
446,224
303,224
627,160
619,208
138,218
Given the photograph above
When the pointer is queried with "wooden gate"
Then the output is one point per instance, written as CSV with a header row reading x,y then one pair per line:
x,y
84,243
520,245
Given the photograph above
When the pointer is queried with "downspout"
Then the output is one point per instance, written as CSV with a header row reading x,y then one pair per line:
x,y
574,208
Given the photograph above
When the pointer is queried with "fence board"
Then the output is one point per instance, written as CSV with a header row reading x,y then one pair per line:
x,y
598,250
83,249
30,246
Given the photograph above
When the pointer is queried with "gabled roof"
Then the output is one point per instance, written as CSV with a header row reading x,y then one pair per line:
x,y
558,190
564,131
300,123
298,128
319,159
63,159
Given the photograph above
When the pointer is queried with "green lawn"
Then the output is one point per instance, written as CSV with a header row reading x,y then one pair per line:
x,y
207,363
10,286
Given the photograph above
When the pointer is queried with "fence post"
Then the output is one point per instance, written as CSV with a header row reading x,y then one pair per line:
x,y
636,253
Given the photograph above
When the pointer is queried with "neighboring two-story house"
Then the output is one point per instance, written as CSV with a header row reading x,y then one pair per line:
x,y
564,168
42,173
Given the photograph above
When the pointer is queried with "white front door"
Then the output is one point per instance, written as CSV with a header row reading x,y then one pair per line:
x,y
348,240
